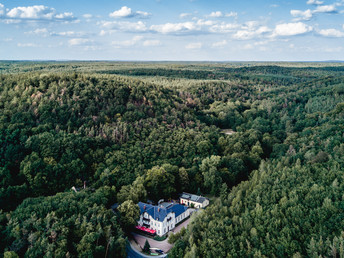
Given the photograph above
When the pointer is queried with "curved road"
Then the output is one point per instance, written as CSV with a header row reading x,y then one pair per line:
x,y
133,253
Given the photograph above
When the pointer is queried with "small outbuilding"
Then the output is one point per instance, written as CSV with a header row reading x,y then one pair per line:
x,y
193,200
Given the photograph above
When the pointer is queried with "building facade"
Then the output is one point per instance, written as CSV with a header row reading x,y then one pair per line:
x,y
162,218
193,200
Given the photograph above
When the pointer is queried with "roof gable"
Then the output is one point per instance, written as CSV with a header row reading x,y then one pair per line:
x,y
160,213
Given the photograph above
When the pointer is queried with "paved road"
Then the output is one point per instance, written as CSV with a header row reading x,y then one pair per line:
x,y
133,253
163,245
180,226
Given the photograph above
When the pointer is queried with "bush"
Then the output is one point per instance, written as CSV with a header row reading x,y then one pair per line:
x,y
160,238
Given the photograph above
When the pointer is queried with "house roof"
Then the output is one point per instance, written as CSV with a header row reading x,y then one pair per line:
x,y
193,197
160,212
178,209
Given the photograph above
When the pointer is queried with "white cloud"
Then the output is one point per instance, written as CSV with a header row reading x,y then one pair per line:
x,y
63,16
249,30
326,9
124,26
27,45
68,34
199,26
2,9
315,2
216,14
231,14
37,12
308,14
291,29
196,45
64,33
202,22
194,27
219,14
43,32
302,15
249,34
151,43
127,43
224,27
331,33
79,42
250,25
105,32
33,13
185,15
126,12
87,16
262,30
175,28
219,44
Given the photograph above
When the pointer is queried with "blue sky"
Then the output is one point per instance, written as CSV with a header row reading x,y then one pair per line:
x,y
178,30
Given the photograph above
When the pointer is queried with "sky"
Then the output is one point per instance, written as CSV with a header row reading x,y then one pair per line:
x,y
172,30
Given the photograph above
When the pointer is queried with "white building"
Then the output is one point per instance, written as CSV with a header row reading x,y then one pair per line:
x,y
162,218
193,200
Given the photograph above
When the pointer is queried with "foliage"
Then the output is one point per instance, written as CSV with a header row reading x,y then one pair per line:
x,y
146,247
159,238
175,237
137,131
130,214
65,224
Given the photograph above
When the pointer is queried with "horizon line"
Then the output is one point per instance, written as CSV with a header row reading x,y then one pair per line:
x,y
176,61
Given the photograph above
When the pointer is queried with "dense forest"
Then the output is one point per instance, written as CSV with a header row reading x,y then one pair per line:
x,y
128,132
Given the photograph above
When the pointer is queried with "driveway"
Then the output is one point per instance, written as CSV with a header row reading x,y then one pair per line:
x,y
163,245
180,226
133,253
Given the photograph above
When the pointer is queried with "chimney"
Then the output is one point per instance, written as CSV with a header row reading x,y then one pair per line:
x,y
84,184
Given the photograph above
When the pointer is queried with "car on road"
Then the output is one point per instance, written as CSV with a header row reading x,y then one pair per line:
x,y
159,251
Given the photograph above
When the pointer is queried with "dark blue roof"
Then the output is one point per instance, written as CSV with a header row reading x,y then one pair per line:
x,y
160,213
178,209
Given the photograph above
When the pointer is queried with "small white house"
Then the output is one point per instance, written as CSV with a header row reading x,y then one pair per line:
x,y
193,200
162,218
